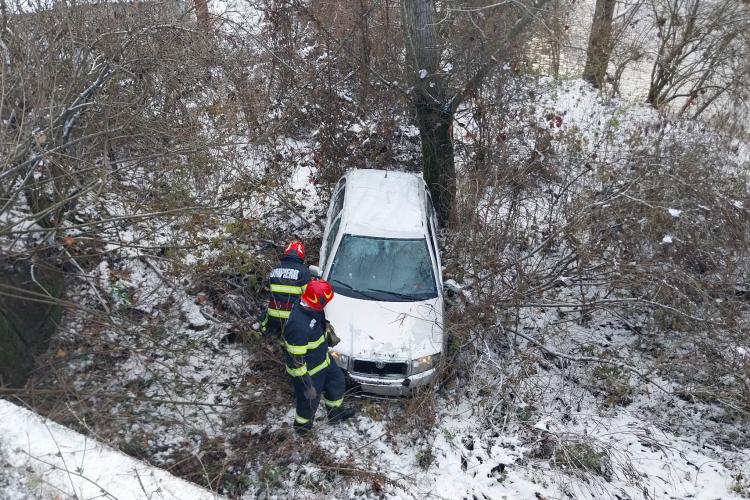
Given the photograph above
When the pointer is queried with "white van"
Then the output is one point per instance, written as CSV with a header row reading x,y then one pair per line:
x,y
380,254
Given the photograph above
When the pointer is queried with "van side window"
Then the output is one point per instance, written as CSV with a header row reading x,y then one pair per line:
x,y
430,213
432,238
430,208
338,202
432,228
334,231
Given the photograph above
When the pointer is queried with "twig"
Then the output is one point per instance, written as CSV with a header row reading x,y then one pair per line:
x,y
88,280
144,259
70,473
140,483
594,359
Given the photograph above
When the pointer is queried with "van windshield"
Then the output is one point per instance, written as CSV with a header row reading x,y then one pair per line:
x,y
394,270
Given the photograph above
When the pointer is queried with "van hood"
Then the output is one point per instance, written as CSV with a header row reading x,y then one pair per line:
x,y
371,329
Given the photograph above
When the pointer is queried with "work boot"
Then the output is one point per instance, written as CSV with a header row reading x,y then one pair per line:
x,y
303,429
339,414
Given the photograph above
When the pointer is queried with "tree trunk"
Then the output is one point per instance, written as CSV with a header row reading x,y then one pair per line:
x,y
434,112
29,316
435,132
600,43
364,63
201,12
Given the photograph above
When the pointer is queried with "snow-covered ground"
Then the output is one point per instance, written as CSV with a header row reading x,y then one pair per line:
x,y
151,376
42,459
154,380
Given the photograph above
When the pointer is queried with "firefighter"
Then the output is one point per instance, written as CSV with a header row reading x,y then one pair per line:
x,y
287,282
314,373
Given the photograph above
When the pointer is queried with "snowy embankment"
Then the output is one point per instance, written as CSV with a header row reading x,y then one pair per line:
x,y
469,460
41,458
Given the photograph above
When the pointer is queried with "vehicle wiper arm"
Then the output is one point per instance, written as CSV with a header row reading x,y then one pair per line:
x,y
349,287
397,294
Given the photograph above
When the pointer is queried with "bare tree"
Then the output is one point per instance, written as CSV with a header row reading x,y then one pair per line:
x,y
700,53
600,43
441,83
83,87
434,111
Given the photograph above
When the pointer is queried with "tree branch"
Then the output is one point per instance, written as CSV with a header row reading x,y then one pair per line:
x,y
492,60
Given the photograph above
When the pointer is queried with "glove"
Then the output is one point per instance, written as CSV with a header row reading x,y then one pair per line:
x,y
331,334
310,393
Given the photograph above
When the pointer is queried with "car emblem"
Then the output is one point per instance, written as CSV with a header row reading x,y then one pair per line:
x,y
379,365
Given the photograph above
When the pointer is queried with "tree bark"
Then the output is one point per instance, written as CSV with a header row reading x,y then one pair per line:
x,y
364,64
204,17
438,168
600,43
434,112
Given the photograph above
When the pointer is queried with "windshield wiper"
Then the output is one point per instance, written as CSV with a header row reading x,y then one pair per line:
x,y
397,294
349,287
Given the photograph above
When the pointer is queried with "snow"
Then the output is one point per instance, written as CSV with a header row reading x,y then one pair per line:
x,y
480,445
63,461
470,459
384,203
14,482
193,315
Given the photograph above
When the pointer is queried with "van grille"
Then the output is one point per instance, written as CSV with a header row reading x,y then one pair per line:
x,y
373,368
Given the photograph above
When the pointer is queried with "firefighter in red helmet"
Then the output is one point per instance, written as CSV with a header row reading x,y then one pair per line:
x,y
314,373
287,282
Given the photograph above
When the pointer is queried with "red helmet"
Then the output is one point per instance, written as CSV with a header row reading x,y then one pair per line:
x,y
297,247
318,294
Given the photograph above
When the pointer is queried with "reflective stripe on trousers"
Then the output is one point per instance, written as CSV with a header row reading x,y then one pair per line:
x,y
333,404
321,366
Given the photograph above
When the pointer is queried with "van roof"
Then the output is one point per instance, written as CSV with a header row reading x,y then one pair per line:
x,y
384,203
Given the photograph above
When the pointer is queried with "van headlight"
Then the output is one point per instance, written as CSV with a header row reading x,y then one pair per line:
x,y
424,363
341,359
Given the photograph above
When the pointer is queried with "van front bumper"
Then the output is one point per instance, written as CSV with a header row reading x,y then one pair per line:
x,y
387,386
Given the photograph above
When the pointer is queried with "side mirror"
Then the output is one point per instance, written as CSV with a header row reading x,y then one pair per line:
x,y
316,272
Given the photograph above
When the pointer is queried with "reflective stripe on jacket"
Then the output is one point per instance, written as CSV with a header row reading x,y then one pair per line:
x,y
304,335
287,282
